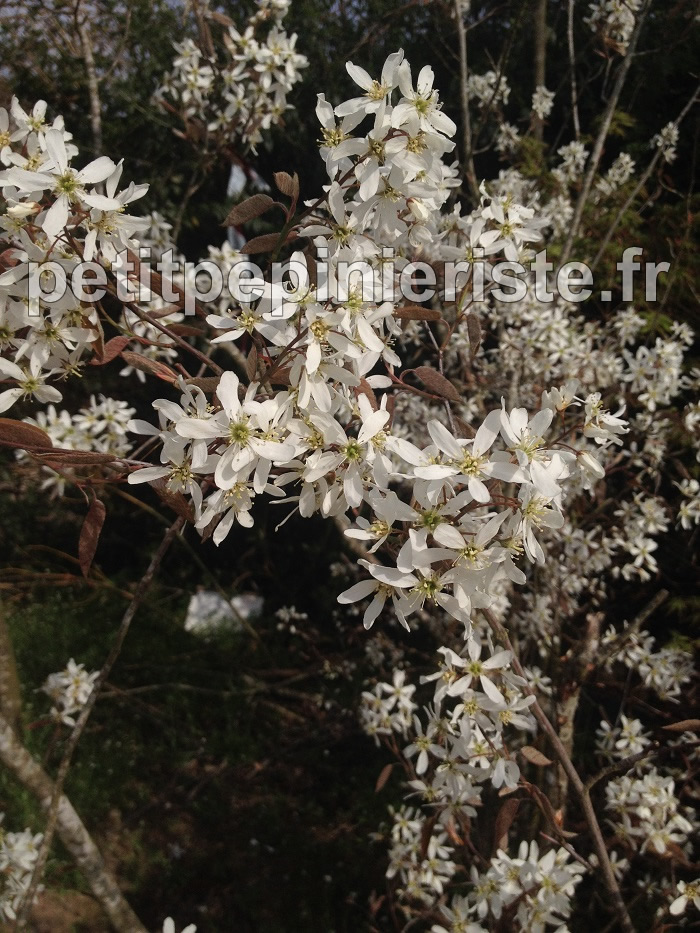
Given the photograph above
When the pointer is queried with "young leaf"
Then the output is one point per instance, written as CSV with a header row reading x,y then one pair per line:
x,y
261,244
90,534
534,756
205,383
417,313
249,209
365,388
436,382
474,332
111,350
251,363
466,429
685,725
147,365
174,500
287,184
20,434
384,776
504,820
62,458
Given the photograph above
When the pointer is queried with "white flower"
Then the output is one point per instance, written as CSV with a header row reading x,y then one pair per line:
x,y
169,926
385,582
542,101
687,891
67,184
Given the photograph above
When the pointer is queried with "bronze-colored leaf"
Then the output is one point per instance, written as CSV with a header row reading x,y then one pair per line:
x,y
390,406
262,244
384,776
205,383
147,365
174,500
534,756
417,313
684,725
452,832
504,821
474,332
247,210
365,388
251,363
426,834
186,330
159,313
62,458
466,429
15,433
111,350
90,535
435,382
220,18
280,377
287,184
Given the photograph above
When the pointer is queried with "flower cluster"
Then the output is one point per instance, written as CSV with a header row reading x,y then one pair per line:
x,y
617,175
614,21
490,89
542,101
540,886
100,427
388,707
242,92
689,508
666,141
18,855
647,813
54,214
69,691
686,892
469,482
666,671
621,741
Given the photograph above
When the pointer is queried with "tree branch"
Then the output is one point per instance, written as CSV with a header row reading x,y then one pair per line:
x,y
461,10
595,157
92,84
54,803
71,830
574,778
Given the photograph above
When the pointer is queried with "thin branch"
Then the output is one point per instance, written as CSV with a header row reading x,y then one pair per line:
x,y
621,766
572,67
56,796
595,157
574,778
461,10
92,83
584,655
540,56
176,338
72,832
640,184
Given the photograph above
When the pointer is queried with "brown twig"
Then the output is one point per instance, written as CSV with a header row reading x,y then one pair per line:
x,y
574,779
56,796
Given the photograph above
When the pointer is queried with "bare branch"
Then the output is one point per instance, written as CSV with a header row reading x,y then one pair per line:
x,y
56,798
71,830
595,157
462,10
574,778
